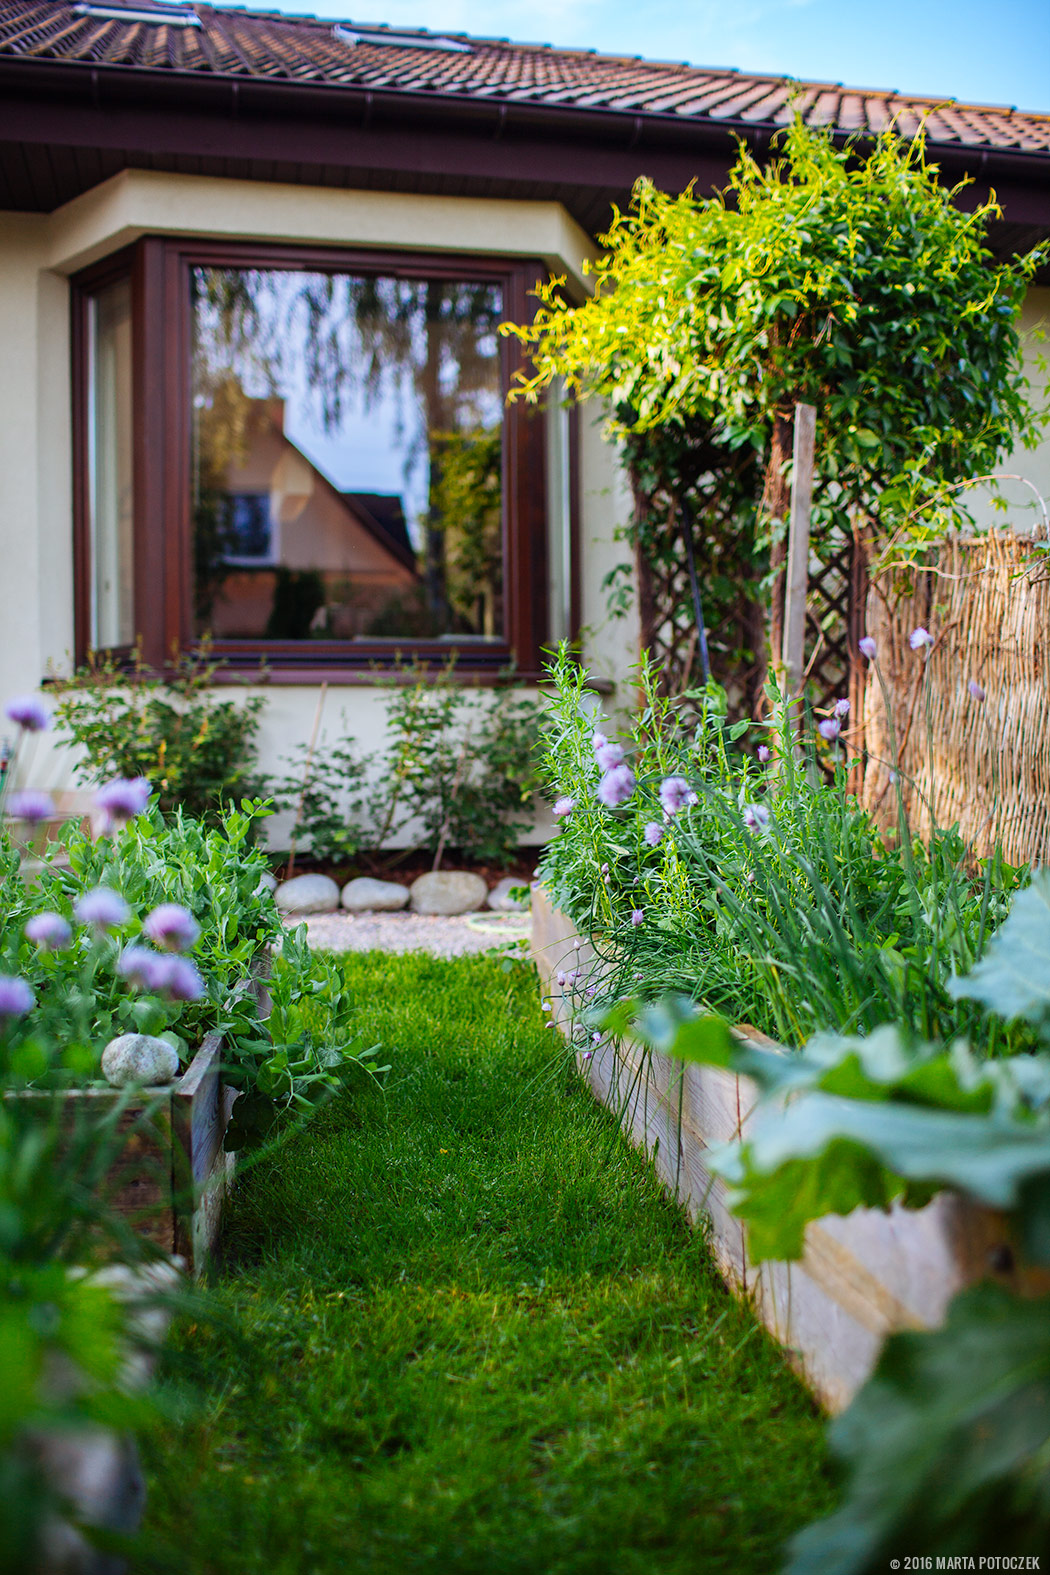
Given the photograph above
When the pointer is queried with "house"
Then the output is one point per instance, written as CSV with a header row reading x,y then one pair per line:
x,y
251,272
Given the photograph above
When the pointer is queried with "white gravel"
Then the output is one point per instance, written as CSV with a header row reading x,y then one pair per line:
x,y
416,932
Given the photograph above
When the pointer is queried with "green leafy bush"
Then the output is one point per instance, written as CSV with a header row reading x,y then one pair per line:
x,y
459,772
197,751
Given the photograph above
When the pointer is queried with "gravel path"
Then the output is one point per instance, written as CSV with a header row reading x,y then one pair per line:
x,y
412,932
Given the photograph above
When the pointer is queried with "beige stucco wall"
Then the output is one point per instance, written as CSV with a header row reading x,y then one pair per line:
x,y
1025,508
36,256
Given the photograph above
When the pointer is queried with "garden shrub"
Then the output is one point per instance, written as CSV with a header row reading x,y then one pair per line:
x,y
196,750
459,773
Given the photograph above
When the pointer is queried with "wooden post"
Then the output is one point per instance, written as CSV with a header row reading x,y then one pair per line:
x,y
798,549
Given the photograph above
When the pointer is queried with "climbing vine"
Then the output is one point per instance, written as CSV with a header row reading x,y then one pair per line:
x,y
843,278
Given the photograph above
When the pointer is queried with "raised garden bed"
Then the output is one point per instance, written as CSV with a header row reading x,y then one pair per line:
x,y
171,1175
861,1278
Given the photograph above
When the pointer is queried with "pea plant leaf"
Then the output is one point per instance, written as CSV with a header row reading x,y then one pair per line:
x,y
1013,977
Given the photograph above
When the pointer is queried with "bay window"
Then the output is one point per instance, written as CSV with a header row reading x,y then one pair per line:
x,y
307,458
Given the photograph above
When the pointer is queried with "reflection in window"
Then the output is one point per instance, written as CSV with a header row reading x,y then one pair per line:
x,y
347,457
110,500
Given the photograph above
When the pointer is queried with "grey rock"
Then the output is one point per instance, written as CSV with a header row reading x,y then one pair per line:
x,y
448,892
139,1058
267,882
500,899
307,894
365,895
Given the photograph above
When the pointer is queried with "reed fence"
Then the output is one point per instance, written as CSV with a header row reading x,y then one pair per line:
x,y
983,764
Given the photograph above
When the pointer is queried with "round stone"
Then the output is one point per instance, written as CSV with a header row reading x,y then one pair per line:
x,y
448,892
307,894
365,895
139,1058
500,899
267,882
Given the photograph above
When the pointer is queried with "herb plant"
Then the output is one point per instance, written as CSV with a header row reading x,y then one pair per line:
x,y
756,886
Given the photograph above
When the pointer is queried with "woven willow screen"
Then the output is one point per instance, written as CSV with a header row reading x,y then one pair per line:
x,y
984,764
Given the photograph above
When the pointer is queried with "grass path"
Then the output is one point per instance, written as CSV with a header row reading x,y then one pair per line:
x,y
463,1332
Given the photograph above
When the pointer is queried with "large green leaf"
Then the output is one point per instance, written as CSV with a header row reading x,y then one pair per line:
x,y
1013,977
947,1445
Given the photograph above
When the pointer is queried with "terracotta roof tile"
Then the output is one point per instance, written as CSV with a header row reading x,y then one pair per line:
x,y
242,44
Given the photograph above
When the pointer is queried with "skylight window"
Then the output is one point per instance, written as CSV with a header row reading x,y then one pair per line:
x,y
360,35
172,15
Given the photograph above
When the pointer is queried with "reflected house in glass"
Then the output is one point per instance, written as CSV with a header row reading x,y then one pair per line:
x,y
252,273
282,552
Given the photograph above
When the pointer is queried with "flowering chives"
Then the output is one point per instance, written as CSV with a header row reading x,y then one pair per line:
x,y
763,753
867,647
616,786
16,997
103,907
920,637
675,794
172,927
609,755
122,799
30,806
829,729
48,930
563,806
30,712
653,833
977,690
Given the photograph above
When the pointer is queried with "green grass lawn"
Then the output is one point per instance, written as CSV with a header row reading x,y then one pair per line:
x,y
462,1329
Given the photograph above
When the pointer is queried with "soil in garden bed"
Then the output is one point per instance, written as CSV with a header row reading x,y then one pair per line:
x,y
464,1331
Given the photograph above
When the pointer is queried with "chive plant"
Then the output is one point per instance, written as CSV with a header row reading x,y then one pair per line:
x,y
751,879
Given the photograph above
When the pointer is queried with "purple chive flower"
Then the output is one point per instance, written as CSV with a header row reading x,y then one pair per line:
x,y
653,833
675,794
144,968
763,753
755,817
596,1038
16,997
599,741
977,690
586,1055
637,917
183,982
560,976
30,805
829,729
103,907
30,712
49,930
840,708
920,637
122,799
549,1025
867,647
609,755
172,928
616,786
563,806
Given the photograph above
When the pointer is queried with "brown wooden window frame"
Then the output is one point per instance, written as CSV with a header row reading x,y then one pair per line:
x,y
160,270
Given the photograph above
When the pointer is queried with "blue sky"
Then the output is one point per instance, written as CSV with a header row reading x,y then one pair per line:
x,y
983,51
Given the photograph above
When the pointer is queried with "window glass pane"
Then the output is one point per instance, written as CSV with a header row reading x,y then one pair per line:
x,y
346,457
109,461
